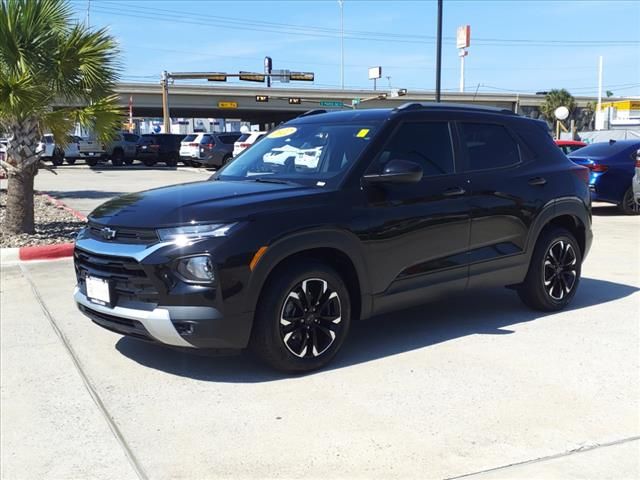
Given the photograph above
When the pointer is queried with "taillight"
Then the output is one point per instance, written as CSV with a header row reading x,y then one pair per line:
x,y
245,145
209,145
193,144
597,167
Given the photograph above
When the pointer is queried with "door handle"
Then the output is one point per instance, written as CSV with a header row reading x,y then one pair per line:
x,y
454,192
537,181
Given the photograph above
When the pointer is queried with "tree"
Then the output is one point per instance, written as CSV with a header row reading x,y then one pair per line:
x,y
47,59
554,99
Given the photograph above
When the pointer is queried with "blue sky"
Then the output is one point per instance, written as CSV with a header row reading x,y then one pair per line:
x,y
518,46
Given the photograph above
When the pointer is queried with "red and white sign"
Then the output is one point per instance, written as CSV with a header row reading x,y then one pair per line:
x,y
463,36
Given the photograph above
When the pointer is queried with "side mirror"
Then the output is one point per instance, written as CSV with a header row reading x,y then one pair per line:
x,y
397,171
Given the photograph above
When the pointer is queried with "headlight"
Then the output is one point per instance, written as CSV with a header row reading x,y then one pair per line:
x,y
184,235
196,269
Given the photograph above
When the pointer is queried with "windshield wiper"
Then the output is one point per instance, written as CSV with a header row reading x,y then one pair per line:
x,y
272,180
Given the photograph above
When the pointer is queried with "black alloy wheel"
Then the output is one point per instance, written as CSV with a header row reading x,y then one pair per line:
x,y
303,317
560,270
629,205
310,318
554,271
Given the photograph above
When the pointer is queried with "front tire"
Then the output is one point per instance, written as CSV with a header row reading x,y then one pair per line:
x,y
629,206
70,161
554,271
149,162
303,318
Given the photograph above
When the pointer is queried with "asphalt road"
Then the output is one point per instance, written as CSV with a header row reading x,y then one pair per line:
x,y
475,384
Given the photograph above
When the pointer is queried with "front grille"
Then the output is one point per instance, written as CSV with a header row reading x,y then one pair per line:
x,y
146,236
126,276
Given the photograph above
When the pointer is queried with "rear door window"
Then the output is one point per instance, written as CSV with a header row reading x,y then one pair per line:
x,y
488,146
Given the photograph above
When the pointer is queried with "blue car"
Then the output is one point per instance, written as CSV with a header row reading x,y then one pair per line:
x,y
612,166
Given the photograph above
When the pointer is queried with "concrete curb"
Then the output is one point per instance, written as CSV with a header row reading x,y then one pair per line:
x,y
37,252
42,252
61,204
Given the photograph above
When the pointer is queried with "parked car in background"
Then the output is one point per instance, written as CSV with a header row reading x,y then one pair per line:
x,y
215,149
636,180
245,141
160,147
122,149
569,146
612,165
91,151
3,148
49,151
189,147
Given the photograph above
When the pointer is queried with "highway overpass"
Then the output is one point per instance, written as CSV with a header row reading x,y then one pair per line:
x,y
240,102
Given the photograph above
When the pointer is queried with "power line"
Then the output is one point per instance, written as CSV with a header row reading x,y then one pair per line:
x,y
321,32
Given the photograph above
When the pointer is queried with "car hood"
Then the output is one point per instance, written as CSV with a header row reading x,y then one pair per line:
x,y
206,202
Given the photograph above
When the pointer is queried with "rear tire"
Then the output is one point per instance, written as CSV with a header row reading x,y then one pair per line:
x,y
172,161
149,162
195,164
70,161
629,206
554,271
303,317
226,159
92,162
128,161
58,158
117,158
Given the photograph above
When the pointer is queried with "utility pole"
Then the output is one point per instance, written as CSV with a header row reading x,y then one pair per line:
x,y
439,51
166,119
462,55
599,119
88,13
341,3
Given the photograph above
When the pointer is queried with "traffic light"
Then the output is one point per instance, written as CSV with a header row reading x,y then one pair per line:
x,y
301,76
217,77
252,77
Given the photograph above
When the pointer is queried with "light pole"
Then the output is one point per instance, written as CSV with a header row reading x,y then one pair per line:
x,y
341,3
439,51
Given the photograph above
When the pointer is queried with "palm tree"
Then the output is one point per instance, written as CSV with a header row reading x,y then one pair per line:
x,y
47,59
554,99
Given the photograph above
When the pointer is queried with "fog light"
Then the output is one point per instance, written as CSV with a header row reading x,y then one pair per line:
x,y
196,269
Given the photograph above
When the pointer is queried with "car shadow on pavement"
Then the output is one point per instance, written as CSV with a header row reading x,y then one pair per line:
x,y
61,194
477,312
607,211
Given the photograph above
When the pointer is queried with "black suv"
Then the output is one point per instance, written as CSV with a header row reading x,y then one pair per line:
x,y
159,147
336,217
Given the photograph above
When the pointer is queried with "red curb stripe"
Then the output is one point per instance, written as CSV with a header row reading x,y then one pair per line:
x,y
60,203
46,252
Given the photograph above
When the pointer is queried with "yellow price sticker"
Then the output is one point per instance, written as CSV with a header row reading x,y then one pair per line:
x,y
282,132
362,133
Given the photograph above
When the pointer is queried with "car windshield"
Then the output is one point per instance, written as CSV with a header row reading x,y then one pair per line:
x,y
309,153
189,138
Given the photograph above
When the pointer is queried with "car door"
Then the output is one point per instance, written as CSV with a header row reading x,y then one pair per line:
x,y
504,198
420,231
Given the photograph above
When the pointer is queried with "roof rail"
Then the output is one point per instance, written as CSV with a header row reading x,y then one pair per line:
x,y
312,112
409,106
458,106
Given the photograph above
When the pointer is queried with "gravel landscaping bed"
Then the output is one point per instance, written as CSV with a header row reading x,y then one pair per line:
x,y
54,224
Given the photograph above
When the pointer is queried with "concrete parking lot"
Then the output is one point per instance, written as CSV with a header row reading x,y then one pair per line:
x,y
472,385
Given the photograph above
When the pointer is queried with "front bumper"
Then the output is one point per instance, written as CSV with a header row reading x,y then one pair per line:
x,y
147,304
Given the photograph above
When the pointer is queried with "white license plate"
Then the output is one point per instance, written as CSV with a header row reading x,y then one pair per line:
x,y
98,290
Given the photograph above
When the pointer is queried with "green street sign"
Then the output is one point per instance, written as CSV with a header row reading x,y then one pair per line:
x,y
331,103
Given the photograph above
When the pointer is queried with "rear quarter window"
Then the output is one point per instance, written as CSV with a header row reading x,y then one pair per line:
x,y
488,146
228,139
